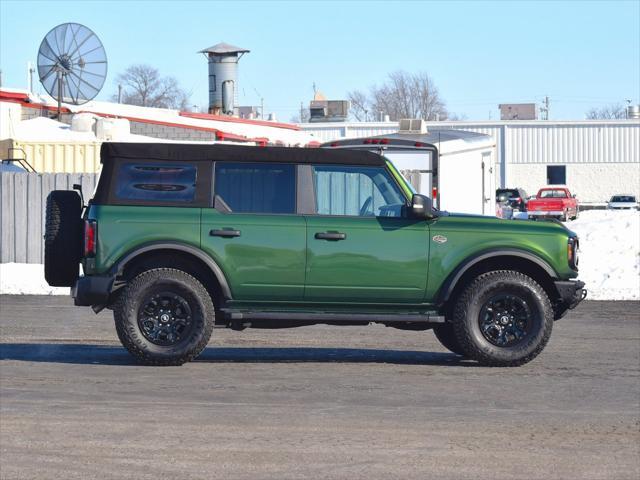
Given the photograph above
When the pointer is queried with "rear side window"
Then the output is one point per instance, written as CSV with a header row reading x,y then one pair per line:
x,y
156,182
255,188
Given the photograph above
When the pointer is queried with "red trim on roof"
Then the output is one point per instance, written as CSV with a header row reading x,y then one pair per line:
x,y
23,99
219,134
223,118
13,96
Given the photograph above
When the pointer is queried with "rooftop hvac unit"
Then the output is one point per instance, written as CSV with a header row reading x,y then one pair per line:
x,y
328,110
412,125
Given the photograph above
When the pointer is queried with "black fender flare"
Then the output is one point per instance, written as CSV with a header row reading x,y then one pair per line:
x,y
119,266
452,280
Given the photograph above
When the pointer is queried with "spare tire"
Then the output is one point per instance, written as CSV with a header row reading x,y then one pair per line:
x,y
63,238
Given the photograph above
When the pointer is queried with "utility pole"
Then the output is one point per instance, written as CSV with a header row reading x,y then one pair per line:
x,y
301,112
120,93
261,108
544,110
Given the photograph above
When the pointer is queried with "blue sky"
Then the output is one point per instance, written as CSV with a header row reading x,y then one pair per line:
x,y
580,53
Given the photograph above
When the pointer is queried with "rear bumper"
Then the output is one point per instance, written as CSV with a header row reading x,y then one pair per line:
x,y
543,213
92,290
571,294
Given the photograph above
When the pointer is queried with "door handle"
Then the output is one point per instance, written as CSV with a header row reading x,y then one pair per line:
x,y
332,236
225,233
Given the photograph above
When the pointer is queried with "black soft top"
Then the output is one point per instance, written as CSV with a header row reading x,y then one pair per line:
x,y
236,153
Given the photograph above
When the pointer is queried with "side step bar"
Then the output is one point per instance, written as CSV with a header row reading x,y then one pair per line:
x,y
335,317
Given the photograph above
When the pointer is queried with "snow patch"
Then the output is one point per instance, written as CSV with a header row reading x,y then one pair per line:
x,y
26,279
609,259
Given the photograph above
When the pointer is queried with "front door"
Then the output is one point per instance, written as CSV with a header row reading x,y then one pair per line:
x,y
360,248
253,232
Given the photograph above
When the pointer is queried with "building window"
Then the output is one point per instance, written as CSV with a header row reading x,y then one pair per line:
x,y
556,175
255,188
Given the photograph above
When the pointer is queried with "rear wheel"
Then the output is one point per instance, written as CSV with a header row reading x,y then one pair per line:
x,y
62,238
503,318
164,317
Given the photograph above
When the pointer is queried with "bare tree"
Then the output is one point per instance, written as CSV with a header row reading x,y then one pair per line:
x,y
402,95
297,118
142,85
608,112
360,105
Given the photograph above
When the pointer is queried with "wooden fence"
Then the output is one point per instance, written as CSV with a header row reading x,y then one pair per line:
x,y
23,198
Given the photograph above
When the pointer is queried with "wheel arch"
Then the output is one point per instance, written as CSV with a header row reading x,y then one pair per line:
x,y
502,259
176,255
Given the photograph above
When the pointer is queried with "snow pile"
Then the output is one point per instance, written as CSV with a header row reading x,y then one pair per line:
x,y
43,129
26,279
609,260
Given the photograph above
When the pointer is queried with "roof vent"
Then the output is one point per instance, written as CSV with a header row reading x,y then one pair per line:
x,y
413,125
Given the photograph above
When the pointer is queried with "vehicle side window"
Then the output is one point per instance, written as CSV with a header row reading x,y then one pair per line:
x,y
156,182
356,191
255,187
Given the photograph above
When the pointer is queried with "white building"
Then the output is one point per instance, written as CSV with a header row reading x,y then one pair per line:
x,y
594,158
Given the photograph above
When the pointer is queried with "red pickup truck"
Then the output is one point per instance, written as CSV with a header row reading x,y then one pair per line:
x,y
556,202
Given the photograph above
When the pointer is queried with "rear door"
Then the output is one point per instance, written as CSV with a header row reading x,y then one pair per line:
x,y
360,248
254,233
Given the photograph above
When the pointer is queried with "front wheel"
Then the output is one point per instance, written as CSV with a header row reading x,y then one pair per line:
x,y
164,317
503,318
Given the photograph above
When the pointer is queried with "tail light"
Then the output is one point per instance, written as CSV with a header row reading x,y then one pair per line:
x,y
90,238
434,193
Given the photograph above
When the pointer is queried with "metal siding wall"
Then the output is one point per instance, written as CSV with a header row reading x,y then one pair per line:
x,y
563,144
23,198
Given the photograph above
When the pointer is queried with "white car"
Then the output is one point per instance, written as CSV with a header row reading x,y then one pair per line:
x,y
622,202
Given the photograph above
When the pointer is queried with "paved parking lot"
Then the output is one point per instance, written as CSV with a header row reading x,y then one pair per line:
x,y
315,402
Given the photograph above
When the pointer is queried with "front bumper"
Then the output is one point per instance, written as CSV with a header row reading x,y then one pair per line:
x,y
92,290
571,293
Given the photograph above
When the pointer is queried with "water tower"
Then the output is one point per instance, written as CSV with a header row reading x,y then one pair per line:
x,y
223,77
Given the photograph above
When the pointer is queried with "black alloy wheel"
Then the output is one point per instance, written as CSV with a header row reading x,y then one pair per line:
x,y
165,318
505,319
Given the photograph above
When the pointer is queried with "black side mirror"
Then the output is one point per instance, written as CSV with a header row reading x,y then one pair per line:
x,y
421,207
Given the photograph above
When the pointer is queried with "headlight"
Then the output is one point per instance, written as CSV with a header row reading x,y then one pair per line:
x,y
572,252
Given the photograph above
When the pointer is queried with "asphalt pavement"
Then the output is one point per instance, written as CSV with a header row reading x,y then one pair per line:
x,y
315,402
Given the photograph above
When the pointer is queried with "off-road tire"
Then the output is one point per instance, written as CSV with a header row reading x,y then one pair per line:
x,y
447,337
467,313
126,309
63,238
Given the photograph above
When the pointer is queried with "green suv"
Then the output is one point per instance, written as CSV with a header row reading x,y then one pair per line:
x,y
181,239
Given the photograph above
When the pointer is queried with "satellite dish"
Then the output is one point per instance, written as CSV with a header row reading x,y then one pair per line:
x,y
72,64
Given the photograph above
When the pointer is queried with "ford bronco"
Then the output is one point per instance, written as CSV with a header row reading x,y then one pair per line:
x,y
181,239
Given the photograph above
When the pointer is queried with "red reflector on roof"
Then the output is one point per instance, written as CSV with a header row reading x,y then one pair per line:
x,y
418,144
367,141
384,141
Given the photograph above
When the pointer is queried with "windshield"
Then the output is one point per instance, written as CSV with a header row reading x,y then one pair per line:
x,y
553,194
507,193
623,198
